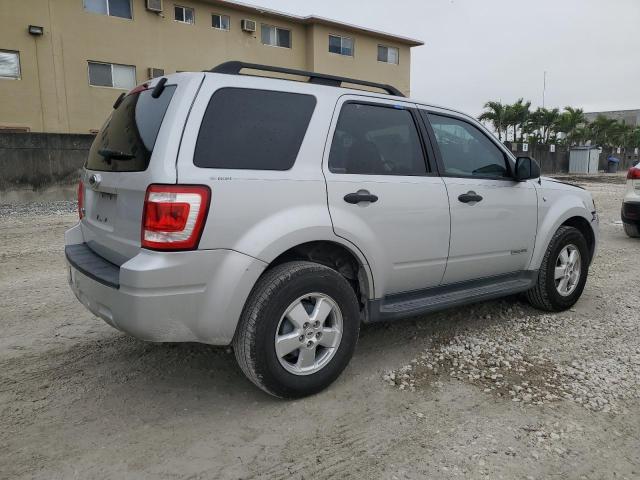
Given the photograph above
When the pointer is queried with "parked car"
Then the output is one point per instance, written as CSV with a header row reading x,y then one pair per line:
x,y
631,203
277,215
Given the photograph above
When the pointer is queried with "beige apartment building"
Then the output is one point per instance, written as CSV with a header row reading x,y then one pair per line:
x,y
64,62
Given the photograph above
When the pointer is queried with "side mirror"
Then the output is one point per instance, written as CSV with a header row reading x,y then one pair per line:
x,y
526,168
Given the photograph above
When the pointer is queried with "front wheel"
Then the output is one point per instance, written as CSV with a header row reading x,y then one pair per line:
x,y
563,272
298,329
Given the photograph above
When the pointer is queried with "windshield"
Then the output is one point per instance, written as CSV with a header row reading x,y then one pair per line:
x,y
126,140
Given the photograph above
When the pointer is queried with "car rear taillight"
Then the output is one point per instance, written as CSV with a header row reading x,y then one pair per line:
x,y
80,199
634,173
174,216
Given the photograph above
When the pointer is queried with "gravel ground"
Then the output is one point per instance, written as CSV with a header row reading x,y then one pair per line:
x,y
494,390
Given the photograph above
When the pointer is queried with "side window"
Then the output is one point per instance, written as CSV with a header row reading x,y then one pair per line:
x,y
253,129
465,150
376,140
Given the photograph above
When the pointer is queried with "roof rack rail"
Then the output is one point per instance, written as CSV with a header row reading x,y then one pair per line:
x,y
234,67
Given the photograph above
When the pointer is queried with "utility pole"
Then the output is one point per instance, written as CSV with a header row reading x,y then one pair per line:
x,y
544,86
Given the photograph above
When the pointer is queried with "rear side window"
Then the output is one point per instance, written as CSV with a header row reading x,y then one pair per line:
x,y
376,140
253,129
126,140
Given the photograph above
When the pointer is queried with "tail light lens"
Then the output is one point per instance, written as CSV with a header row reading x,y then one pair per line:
x,y
174,216
634,173
80,200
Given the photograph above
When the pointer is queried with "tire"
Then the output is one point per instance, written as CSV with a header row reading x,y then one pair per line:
x,y
545,295
631,230
263,319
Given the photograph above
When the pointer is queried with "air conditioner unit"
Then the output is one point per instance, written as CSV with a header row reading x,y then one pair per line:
x,y
248,25
154,5
155,73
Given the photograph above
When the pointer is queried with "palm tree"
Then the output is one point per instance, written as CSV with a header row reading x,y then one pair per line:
x,y
635,137
510,120
569,121
520,112
622,134
582,134
546,121
495,114
603,130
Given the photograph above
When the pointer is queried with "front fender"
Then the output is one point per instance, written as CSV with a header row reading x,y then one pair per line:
x,y
562,208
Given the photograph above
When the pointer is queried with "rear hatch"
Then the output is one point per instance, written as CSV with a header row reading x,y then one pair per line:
x,y
137,146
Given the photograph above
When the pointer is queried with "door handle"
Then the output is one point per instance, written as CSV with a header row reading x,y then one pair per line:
x,y
360,196
470,197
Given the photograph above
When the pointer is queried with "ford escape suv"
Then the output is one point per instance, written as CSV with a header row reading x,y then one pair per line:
x,y
277,215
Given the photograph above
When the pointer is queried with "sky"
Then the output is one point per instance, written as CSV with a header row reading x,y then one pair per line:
x,y
479,50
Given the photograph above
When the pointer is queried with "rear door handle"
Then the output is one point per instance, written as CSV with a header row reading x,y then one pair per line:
x,y
360,196
470,197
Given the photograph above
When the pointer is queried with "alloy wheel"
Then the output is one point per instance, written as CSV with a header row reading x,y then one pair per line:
x,y
568,269
308,334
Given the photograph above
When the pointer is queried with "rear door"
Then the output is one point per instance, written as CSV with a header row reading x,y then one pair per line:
x,y
137,146
493,217
383,195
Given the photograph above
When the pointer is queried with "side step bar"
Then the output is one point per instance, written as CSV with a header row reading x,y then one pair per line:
x,y
411,304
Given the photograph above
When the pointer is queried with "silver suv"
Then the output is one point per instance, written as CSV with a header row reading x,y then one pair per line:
x,y
277,215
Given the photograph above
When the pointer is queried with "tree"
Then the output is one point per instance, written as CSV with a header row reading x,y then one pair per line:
x,y
494,114
510,120
569,121
520,115
602,131
581,134
635,137
545,120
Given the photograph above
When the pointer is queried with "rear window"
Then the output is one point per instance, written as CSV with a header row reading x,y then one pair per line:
x,y
253,129
126,140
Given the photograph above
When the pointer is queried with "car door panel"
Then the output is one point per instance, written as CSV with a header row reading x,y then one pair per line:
x,y
495,233
493,236
405,232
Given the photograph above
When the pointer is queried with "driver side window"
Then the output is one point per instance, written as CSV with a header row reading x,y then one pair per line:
x,y
465,150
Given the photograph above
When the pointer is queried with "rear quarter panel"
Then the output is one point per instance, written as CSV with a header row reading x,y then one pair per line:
x,y
263,213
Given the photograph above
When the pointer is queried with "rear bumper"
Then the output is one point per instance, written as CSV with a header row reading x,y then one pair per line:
x,y
166,297
631,213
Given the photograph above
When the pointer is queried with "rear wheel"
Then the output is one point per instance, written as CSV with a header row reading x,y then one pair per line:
x,y
298,329
563,272
631,230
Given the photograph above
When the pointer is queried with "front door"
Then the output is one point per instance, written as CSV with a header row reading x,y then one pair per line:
x,y
493,217
383,196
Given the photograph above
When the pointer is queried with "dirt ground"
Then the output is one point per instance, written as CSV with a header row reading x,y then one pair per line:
x,y
495,390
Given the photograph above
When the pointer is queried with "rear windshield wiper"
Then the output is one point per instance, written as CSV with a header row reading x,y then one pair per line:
x,y
115,154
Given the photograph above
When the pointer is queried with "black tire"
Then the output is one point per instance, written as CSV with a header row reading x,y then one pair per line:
x,y
544,295
254,344
631,230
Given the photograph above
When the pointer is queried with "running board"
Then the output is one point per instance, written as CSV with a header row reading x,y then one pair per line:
x,y
411,304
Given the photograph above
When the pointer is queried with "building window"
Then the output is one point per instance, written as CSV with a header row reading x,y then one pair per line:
x,y
341,45
275,36
112,75
113,8
184,14
388,54
9,64
221,22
